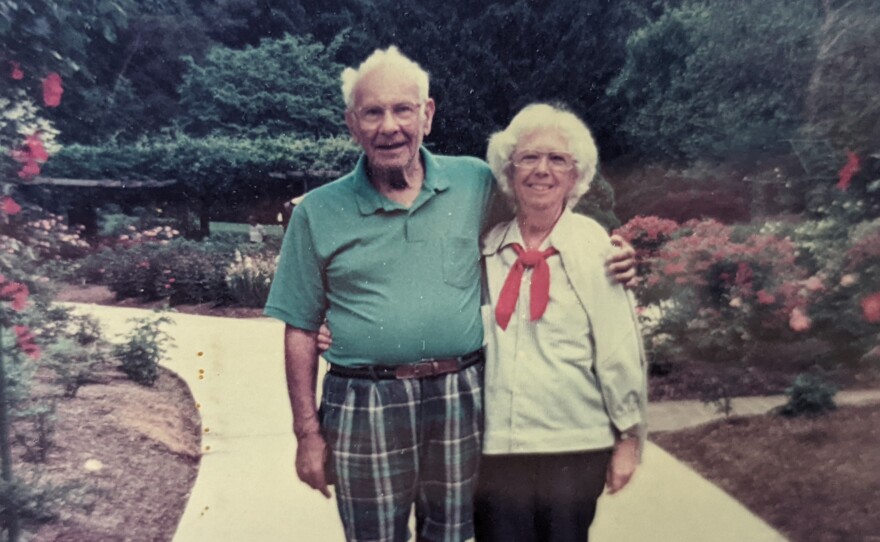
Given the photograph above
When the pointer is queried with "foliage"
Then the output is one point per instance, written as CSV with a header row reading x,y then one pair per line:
x,y
142,225
130,86
809,395
249,278
179,271
34,431
205,164
290,87
839,312
143,349
647,234
210,167
40,40
721,290
716,79
237,23
842,93
46,235
77,352
49,33
598,203
32,503
486,61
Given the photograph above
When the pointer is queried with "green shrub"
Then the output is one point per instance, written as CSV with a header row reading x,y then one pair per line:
x,y
142,224
144,347
809,395
76,353
34,428
249,278
194,272
180,271
131,272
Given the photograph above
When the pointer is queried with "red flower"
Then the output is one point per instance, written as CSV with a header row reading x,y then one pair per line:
x,y
32,153
52,90
871,308
25,340
30,169
16,72
674,268
799,321
35,148
10,207
17,293
743,274
765,297
848,170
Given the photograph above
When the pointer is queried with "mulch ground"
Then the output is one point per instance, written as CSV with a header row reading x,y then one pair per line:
x,y
122,461
815,480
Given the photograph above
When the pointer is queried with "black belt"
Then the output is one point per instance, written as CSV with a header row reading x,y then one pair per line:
x,y
421,369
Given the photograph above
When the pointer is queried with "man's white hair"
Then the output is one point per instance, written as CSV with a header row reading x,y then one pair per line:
x,y
536,117
390,57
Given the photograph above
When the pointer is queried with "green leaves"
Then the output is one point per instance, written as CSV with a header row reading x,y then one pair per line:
x,y
718,79
204,164
284,86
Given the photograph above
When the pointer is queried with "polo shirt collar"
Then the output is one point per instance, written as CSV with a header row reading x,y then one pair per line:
x,y
370,201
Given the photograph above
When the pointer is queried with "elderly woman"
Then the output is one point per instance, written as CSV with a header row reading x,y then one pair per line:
x,y
565,380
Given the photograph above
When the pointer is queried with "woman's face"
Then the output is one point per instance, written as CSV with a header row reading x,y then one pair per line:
x,y
544,171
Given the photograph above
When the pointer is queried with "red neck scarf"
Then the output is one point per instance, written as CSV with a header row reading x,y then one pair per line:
x,y
540,290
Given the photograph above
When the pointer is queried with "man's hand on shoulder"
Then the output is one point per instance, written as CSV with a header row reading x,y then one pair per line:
x,y
621,263
311,459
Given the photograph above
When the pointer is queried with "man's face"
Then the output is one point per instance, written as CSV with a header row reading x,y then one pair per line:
x,y
388,120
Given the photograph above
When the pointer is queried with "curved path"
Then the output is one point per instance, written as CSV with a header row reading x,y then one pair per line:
x,y
246,489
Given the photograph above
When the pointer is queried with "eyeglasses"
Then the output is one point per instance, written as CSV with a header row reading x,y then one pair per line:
x,y
557,161
403,113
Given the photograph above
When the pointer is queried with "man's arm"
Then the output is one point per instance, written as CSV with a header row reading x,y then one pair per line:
x,y
301,367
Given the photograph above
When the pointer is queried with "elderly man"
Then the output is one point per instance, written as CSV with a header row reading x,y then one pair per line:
x,y
389,255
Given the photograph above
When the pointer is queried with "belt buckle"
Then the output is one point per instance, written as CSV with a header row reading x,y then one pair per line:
x,y
422,368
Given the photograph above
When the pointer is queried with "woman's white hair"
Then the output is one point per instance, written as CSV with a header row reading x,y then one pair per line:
x,y
536,117
391,57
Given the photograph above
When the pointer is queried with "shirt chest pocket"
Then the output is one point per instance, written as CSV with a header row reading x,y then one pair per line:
x,y
460,261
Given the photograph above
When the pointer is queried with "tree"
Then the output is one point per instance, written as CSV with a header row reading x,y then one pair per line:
x,y
130,87
284,86
238,23
44,42
714,79
842,101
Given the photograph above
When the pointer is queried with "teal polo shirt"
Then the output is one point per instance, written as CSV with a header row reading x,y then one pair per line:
x,y
396,285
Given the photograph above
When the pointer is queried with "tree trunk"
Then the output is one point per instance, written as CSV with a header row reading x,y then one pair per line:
x,y
204,218
11,513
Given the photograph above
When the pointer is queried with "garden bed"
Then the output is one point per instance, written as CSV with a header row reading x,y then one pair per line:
x,y
813,479
129,455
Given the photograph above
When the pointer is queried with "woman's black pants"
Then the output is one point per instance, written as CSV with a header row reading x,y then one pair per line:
x,y
538,497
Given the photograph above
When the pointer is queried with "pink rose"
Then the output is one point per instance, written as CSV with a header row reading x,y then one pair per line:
x,y
799,321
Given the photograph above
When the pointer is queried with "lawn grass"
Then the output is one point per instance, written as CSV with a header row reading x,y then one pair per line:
x,y
242,229
813,479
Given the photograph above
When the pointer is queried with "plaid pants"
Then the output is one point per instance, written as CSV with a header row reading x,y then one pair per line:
x,y
395,443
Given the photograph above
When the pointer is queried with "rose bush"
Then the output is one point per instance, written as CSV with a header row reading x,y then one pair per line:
x,y
720,290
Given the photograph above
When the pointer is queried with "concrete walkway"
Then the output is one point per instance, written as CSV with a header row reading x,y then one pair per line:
x,y
247,490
